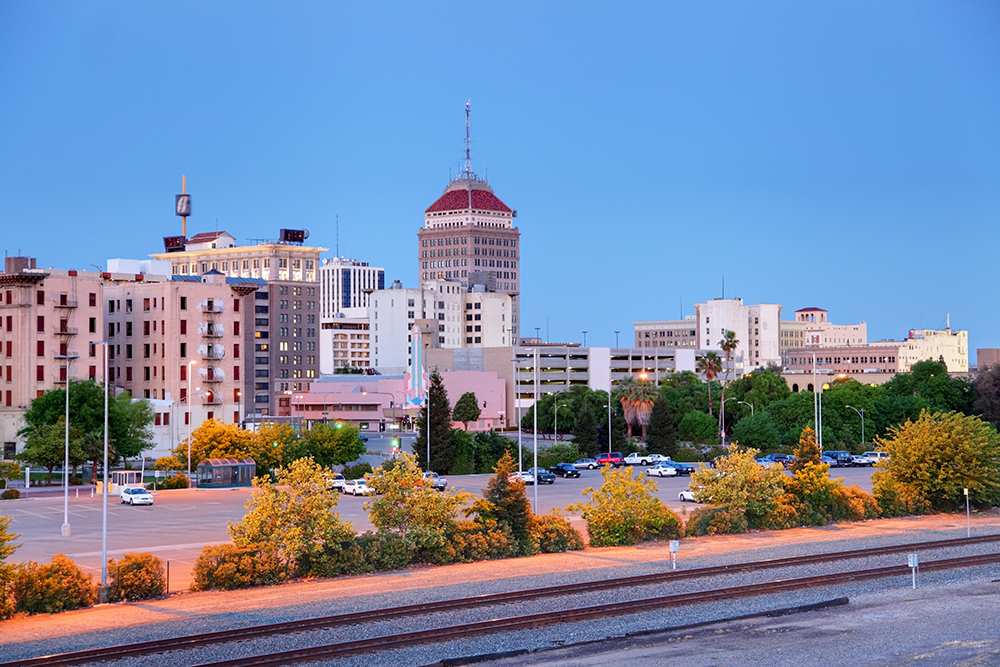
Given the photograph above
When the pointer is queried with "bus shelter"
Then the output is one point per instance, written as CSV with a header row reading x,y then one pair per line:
x,y
220,473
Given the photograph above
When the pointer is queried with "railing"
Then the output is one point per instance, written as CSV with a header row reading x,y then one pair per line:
x,y
65,331
66,303
214,399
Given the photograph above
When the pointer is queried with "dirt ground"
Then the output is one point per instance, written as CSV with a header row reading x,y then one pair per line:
x,y
110,617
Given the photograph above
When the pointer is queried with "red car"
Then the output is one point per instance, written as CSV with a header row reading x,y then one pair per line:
x,y
614,458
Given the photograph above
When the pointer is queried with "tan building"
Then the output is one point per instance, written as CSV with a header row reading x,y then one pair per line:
x,y
285,332
50,324
946,345
667,333
820,332
793,335
345,342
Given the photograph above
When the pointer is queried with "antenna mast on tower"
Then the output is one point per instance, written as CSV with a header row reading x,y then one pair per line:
x,y
337,247
468,144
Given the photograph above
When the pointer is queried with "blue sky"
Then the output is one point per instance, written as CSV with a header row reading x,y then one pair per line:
x,y
842,155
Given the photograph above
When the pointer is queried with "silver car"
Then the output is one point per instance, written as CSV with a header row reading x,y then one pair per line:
x,y
133,495
357,487
662,469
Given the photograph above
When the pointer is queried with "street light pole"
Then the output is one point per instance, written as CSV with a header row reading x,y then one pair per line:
x,y
535,466
861,413
555,428
190,416
750,404
585,339
616,338
65,526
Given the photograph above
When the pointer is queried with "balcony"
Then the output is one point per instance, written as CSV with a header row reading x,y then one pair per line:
x,y
65,302
211,399
65,331
213,376
211,330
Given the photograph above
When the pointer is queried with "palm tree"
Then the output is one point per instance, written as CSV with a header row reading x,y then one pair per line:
x,y
728,345
710,366
637,398
623,392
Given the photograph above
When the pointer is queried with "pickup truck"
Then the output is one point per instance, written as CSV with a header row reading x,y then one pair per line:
x,y
635,458
433,480
614,458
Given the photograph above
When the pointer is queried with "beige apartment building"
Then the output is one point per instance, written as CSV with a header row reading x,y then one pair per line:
x,y
50,324
821,332
284,336
169,335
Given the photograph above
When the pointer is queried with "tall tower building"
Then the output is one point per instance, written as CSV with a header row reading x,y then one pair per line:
x,y
469,236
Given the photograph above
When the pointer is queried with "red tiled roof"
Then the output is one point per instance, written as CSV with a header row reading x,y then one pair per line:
x,y
803,310
207,237
458,200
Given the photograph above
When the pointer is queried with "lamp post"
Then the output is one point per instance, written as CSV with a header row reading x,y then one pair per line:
x,y
555,429
585,339
609,420
535,411
815,397
428,425
239,406
616,338
861,413
750,404
104,495
392,398
65,526
517,397
190,415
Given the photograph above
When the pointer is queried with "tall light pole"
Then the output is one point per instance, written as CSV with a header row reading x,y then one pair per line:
x,y
750,404
861,413
555,429
65,526
427,424
104,495
190,415
609,421
616,338
535,466
585,339
517,397
815,396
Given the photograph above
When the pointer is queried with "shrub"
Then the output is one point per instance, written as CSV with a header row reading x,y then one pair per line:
x,y
357,471
853,504
49,589
625,511
551,533
473,540
7,572
10,494
505,504
813,491
178,481
715,521
740,483
136,577
556,453
896,498
228,567
687,455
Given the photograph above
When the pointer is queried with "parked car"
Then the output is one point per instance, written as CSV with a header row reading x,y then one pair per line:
x,y
615,459
877,457
635,458
364,438
134,495
564,470
662,469
686,496
783,459
589,464
336,481
434,480
523,476
542,476
840,458
681,468
861,460
357,487
768,463
828,461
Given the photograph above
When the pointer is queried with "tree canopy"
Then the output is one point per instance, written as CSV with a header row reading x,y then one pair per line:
x,y
466,409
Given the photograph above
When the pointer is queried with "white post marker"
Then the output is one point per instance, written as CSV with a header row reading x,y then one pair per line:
x,y
914,562
27,477
674,548
968,526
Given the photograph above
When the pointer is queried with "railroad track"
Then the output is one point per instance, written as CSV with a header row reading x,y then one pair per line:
x,y
521,622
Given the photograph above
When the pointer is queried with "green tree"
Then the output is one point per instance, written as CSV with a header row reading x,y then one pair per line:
x,y
987,388
7,572
625,511
214,439
758,431
505,504
661,437
442,452
490,446
728,344
9,470
933,458
930,381
464,446
807,452
466,409
46,446
710,366
277,444
636,397
296,515
697,427
585,432
333,444
741,484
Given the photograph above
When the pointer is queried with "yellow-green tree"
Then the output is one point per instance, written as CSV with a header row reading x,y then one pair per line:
x,y
422,517
505,503
215,440
296,515
7,572
276,444
932,459
807,451
625,511
740,483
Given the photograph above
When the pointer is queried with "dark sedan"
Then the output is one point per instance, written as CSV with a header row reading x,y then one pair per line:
x,y
564,470
681,468
542,476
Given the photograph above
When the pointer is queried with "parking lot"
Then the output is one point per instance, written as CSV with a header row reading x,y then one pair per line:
x,y
182,522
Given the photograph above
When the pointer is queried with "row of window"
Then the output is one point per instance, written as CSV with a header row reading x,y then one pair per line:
x,y
63,299
837,360
476,240
668,334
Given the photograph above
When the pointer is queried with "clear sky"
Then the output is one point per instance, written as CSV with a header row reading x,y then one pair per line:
x,y
841,155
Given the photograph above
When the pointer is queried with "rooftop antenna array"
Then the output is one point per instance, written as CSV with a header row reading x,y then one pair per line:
x,y
338,234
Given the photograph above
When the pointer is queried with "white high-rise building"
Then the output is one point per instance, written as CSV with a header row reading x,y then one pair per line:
x,y
344,286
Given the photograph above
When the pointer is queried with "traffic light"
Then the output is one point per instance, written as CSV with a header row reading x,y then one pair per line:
x,y
340,424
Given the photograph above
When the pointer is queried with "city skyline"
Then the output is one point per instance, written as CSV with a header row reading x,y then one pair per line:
x,y
842,157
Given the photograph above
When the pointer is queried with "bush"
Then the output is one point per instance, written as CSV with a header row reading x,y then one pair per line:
x,y
551,533
853,504
178,481
687,455
357,471
10,494
136,577
555,453
625,511
715,521
50,589
229,567
472,541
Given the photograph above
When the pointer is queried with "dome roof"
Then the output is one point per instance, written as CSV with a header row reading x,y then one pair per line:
x,y
457,199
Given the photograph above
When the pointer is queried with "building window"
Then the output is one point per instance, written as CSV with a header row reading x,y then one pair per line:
x,y
184,303
184,350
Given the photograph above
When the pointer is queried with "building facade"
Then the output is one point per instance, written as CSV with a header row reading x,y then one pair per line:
x,y
667,333
820,332
50,327
344,286
285,333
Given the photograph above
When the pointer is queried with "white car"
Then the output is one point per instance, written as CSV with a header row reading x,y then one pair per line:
x,y
686,496
635,458
357,487
662,470
336,482
523,476
877,457
134,495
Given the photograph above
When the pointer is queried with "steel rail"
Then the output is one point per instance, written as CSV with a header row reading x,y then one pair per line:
x,y
510,624
357,618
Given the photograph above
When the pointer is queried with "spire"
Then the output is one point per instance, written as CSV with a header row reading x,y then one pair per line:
x,y
467,175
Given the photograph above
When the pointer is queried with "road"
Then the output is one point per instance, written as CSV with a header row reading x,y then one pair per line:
x,y
182,522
